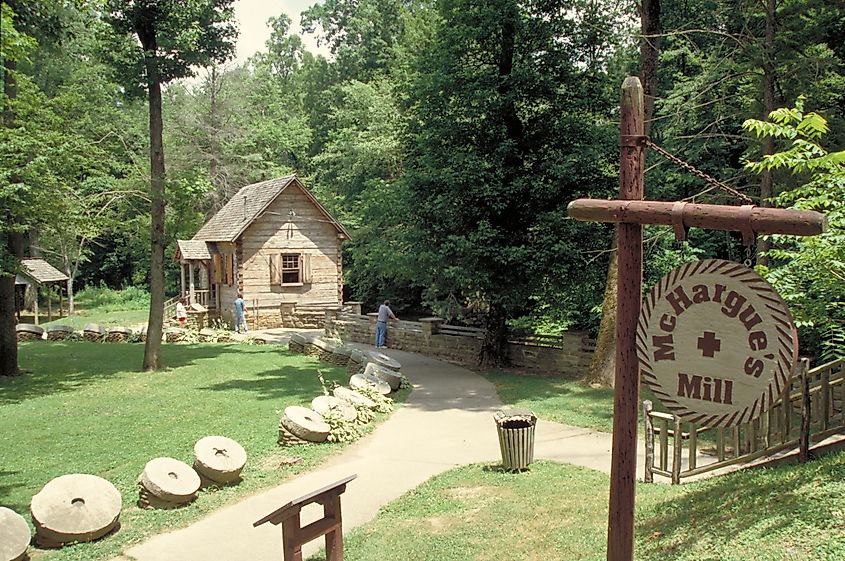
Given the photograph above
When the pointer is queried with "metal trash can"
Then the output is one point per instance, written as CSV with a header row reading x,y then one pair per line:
x,y
516,437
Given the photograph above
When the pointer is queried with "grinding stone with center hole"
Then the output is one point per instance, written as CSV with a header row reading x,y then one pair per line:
x,y
305,423
75,508
392,377
384,360
363,380
218,458
170,480
324,403
354,397
14,535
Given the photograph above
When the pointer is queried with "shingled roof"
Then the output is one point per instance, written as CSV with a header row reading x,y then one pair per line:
x,y
193,250
40,271
247,205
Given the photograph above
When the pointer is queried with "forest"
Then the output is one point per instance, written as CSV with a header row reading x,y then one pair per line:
x,y
448,136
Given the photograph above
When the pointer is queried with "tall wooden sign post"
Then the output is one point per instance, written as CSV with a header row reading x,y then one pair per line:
x,y
630,213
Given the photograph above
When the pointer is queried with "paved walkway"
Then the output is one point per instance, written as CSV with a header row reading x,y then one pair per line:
x,y
446,422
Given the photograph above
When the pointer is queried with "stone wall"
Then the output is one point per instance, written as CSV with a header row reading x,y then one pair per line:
x,y
460,345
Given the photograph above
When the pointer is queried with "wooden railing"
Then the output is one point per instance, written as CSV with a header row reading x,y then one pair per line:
x,y
809,410
170,308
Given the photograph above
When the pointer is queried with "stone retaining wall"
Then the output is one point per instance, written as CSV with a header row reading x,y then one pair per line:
x,y
460,345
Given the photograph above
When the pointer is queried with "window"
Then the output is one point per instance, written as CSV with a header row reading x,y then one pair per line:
x,y
290,269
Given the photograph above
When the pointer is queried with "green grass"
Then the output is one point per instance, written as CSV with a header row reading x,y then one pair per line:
x,y
559,512
107,307
83,408
563,400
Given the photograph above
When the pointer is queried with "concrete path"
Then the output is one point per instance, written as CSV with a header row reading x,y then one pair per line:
x,y
446,422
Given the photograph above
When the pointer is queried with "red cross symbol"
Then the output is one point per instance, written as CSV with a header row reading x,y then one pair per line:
x,y
709,344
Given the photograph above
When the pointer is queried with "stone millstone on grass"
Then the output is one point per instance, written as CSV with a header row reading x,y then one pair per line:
x,y
356,362
174,335
340,355
391,377
305,423
74,508
364,380
14,535
118,335
326,348
354,397
29,332
170,480
383,360
324,403
93,332
219,459
59,332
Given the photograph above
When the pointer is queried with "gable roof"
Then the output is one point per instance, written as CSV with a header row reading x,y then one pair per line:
x,y
193,250
40,271
248,204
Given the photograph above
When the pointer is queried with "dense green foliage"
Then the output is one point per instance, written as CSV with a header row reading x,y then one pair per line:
x,y
448,135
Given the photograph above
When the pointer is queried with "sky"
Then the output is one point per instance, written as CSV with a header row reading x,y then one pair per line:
x,y
252,16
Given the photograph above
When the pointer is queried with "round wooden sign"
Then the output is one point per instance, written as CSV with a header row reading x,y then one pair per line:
x,y
716,343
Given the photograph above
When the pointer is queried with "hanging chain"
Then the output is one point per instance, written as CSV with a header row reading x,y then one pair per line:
x,y
749,256
697,172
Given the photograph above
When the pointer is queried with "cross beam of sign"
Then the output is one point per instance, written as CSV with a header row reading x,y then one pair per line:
x,y
630,213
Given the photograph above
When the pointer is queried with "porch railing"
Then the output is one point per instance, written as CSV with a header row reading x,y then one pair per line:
x,y
810,409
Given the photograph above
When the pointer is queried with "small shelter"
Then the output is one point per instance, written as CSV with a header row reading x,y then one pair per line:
x,y
35,273
274,243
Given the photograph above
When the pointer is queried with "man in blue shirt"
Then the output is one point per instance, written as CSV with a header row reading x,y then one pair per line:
x,y
240,313
384,312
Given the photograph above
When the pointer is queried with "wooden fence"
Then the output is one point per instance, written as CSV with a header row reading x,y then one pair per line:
x,y
809,410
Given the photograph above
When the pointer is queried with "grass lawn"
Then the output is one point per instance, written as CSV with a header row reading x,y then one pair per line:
x,y
83,408
123,318
477,513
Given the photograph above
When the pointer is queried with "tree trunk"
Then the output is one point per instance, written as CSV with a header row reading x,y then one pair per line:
x,y
152,347
766,180
603,365
494,346
11,251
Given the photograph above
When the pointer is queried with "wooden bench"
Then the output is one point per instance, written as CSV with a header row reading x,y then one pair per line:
x,y
294,536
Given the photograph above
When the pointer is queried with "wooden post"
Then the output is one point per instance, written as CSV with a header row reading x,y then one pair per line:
x,y
677,451
182,279
49,302
61,307
191,282
35,305
648,475
804,438
623,465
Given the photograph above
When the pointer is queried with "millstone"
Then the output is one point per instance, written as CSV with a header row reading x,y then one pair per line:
x,y
219,459
93,328
14,535
364,380
324,403
391,377
305,423
174,335
170,480
29,328
58,332
354,397
74,508
383,360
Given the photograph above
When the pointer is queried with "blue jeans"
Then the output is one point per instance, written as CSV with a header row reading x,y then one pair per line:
x,y
240,320
381,333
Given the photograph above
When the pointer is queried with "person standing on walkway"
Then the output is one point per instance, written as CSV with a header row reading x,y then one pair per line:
x,y
384,312
240,313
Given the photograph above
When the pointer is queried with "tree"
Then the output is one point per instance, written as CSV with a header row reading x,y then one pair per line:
x,y
809,273
174,36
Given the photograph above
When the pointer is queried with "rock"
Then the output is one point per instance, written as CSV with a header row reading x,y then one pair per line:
x,y
391,377
74,508
219,459
170,480
364,380
14,535
118,334
354,397
305,423
59,332
325,403
383,360
93,332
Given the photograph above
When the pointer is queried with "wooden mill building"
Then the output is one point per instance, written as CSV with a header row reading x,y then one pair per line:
x,y
276,244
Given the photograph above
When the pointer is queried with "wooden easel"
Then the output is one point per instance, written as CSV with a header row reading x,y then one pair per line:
x,y
630,213
294,536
